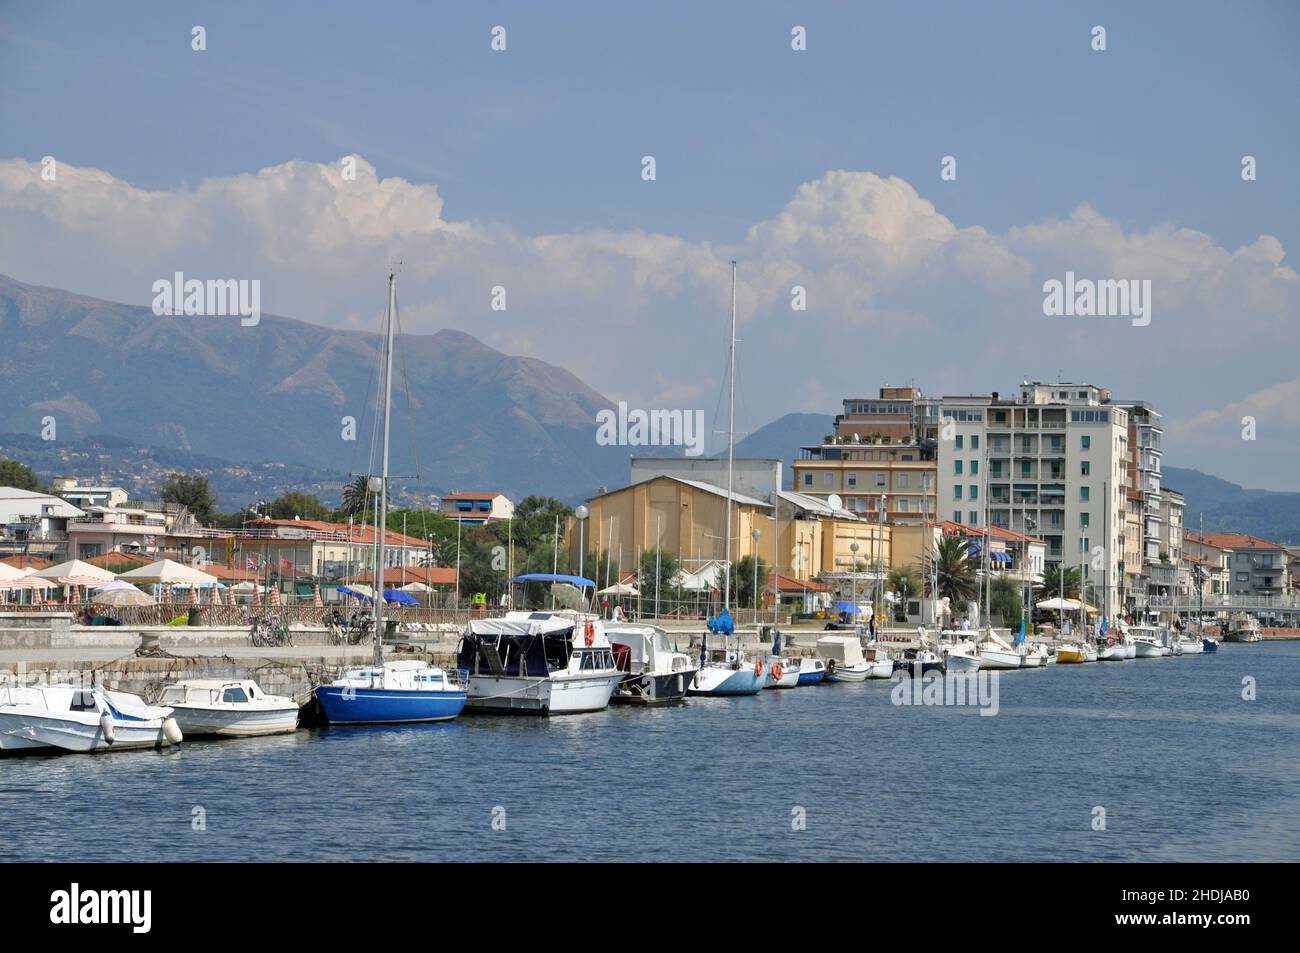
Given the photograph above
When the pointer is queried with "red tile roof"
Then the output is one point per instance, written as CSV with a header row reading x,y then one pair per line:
x,y
996,532
429,575
27,562
1232,541
791,584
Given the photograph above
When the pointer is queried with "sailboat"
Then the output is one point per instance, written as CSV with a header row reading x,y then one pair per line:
x,y
729,673
394,692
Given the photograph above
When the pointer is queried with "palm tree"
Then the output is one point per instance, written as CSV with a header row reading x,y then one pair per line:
x,y
1051,584
955,569
355,495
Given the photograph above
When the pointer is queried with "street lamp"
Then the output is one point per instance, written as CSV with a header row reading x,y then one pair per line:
x,y
756,535
582,513
853,548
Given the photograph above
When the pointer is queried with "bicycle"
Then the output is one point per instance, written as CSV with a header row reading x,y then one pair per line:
x,y
259,635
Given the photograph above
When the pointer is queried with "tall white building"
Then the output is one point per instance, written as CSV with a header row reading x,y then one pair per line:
x,y
1050,463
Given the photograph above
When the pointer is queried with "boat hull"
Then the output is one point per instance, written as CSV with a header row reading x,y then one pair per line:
x,y
1192,646
727,681
1112,653
349,705
913,667
812,678
1150,650
197,722
999,659
1070,657
955,663
26,730
663,689
858,672
556,695
1210,645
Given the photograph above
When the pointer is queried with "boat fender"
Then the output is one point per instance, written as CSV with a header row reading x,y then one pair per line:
x,y
589,632
171,730
777,671
107,727
758,667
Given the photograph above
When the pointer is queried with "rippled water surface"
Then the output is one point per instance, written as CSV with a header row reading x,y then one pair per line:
x,y
1183,766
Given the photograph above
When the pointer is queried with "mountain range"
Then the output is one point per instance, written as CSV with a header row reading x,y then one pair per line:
x,y
465,416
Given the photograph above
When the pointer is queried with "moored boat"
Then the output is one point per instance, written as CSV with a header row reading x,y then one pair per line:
x,y
228,708
1243,628
394,693
538,663
811,671
1148,641
917,662
782,672
844,659
653,673
71,718
1070,653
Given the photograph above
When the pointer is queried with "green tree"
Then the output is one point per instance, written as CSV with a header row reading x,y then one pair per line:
x,y
1051,584
956,569
192,492
356,496
904,583
742,581
15,474
295,504
667,572
1006,600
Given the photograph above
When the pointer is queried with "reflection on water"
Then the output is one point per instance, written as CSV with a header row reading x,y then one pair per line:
x,y
1185,769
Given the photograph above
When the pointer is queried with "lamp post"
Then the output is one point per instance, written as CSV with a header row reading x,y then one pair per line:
x,y
880,548
756,535
853,548
582,513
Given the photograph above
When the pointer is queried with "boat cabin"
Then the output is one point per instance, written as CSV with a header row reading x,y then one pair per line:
x,y
212,691
841,649
524,644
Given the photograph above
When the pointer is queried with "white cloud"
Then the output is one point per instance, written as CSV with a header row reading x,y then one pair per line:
x,y
896,291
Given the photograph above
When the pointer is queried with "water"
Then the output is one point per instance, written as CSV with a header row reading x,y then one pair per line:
x,y
1185,769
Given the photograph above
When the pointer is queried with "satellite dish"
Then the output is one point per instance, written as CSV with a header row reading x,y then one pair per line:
x,y
834,502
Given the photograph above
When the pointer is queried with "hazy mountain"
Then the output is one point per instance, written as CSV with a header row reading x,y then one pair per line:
x,y
1228,507
782,438
279,391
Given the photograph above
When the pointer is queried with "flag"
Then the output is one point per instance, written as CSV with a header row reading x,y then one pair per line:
x,y
251,564
1021,637
1105,624
286,565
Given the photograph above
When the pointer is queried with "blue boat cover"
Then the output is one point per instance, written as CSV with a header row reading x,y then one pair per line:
x,y
552,577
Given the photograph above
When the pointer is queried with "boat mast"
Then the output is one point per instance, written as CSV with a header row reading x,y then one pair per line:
x,y
731,437
381,523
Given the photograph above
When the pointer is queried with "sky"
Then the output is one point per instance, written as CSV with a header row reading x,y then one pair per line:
x,y
818,169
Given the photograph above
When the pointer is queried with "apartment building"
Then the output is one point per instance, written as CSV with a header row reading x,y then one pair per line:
x,y
1257,567
1051,463
882,448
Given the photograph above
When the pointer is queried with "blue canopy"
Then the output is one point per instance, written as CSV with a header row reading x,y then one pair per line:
x,y
401,598
552,577
846,607
354,594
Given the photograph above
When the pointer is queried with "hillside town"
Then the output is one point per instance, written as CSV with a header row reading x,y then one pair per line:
x,y
1054,486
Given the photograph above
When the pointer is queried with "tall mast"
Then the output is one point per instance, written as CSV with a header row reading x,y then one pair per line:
x,y
731,436
381,523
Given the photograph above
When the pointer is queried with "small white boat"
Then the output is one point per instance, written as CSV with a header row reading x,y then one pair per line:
x,y
811,671
782,672
844,659
654,673
1244,628
1112,652
229,709
1148,641
1036,657
960,657
1186,645
880,662
1089,652
70,718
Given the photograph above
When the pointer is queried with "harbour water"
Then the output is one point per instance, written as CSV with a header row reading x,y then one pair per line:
x,y
1185,769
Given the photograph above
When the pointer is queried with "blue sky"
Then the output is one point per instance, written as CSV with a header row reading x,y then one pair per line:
x,y
546,138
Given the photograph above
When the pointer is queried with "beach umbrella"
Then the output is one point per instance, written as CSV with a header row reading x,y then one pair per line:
x,y
273,597
257,595
1057,604
168,572
358,591
315,596
124,595
194,595
74,568
400,598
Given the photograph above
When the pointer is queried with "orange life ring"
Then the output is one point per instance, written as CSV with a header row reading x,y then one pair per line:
x,y
777,671
758,666
590,632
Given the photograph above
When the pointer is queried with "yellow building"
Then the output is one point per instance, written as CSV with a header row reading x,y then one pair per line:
x,y
805,539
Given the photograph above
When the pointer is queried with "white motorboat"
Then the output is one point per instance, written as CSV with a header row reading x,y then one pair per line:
x,y
1148,641
539,663
960,657
782,672
1112,651
1244,628
1090,652
229,709
71,718
1036,657
653,672
811,671
1187,645
844,659
879,660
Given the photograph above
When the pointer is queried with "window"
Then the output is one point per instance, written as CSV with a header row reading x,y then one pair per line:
x,y
1083,494
233,696
1083,544
956,492
974,518
853,479
1024,467
900,481
1083,521
974,492
956,467
1085,468
902,506
828,479
956,514
974,442
1085,443
974,468
807,479
880,479
958,441
997,468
